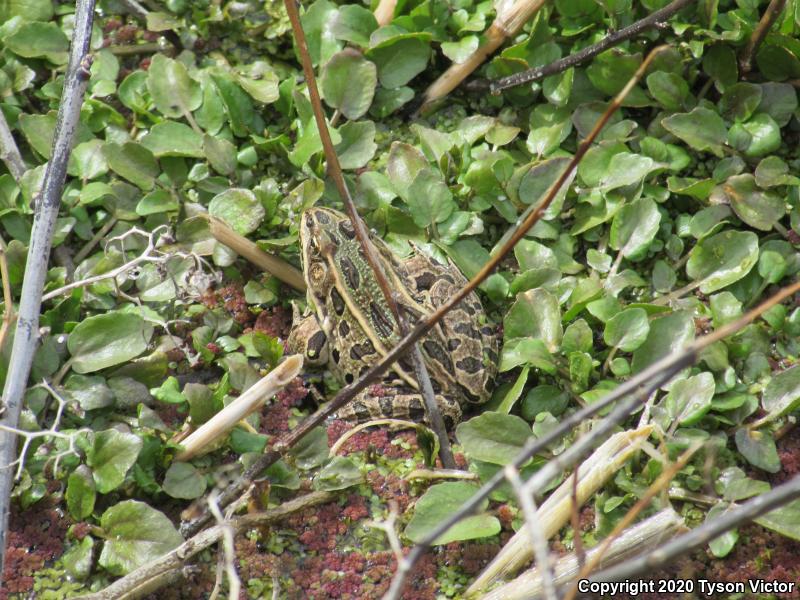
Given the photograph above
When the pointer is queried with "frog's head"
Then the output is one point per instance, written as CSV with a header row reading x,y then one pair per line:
x,y
323,231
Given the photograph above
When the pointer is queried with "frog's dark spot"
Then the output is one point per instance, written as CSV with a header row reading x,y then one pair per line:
x,y
348,378
486,330
425,281
467,330
492,355
336,356
468,308
383,323
405,365
387,405
350,272
363,371
437,353
316,343
337,301
416,412
469,364
470,396
359,351
361,411
323,217
344,329
453,344
346,228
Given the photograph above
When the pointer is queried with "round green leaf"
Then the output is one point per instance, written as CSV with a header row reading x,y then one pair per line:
x,y
690,399
39,40
239,208
81,493
782,394
358,144
170,138
135,534
429,198
535,314
635,226
174,92
627,330
722,259
493,437
106,340
756,207
111,454
348,82
184,481
758,447
702,129
757,137
439,503
669,89
668,334
400,58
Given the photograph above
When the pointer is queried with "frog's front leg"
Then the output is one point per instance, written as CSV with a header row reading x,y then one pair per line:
x,y
308,338
382,402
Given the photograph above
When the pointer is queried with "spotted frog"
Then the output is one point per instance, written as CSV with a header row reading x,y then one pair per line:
x,y
349,326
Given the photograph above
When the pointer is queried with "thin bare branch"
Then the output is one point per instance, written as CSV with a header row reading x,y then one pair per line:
x,y
537,537
612,39
127,587
27,331
9,152
769,17
377,370
335,171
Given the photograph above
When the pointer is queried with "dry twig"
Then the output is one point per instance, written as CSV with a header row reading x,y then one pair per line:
x,y
759,33
27,331
612,39
9,152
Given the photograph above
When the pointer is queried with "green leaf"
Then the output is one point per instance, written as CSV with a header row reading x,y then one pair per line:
x,y
493,437
690,399
721,545
634,227
757,137
544,398
81,493
169,391
170,138
625,169
221,154
400,58
318,22
312,450
183,481
239,208
722,259
39,40
354,24
358,144
702,129
133,162
758,447
429,198
111,455
348,81
758,208
784,520
535,314
29,10
460,51
668,334
90,392
106,340
669,89
740,101
627,330
782,394
339,474
439,503
174,93
78,559
135,534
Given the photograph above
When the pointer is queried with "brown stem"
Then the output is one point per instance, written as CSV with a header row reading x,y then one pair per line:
x,y
759,33
335,171
577,58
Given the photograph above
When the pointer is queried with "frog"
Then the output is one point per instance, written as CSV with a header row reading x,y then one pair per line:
x,y
348,325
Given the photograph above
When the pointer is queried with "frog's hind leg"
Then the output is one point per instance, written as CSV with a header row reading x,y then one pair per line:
x,y
406,404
